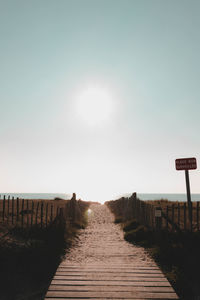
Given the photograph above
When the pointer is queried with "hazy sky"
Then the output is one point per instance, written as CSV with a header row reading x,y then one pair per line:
x,y
98,97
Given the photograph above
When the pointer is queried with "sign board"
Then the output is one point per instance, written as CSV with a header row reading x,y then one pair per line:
x,y
158,213
186,163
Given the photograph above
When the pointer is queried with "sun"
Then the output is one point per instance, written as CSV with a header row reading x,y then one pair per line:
x,y
94,105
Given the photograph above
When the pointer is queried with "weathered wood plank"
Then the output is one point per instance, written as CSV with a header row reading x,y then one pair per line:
x,y
109,275
111,295
109,270
109,288
133,278
110,283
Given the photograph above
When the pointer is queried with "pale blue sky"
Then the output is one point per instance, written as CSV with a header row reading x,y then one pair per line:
x,y
145,53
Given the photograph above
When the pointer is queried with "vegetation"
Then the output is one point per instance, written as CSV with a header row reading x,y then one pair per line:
x,y
177,253
29,256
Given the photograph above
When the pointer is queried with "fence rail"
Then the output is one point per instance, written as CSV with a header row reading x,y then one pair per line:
x,y
28,213
167,215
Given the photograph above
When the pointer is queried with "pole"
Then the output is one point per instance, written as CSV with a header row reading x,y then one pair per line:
x,y
188,186
188,196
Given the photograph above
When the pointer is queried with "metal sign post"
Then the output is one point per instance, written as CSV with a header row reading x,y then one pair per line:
x,y
187,164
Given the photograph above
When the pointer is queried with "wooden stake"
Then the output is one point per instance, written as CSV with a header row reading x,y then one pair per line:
x,y
22,213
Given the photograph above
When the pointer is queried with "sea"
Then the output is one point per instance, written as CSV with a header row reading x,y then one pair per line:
x,y
46,196
145,196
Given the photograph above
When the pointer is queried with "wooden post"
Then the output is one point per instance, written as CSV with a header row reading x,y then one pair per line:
x,y
36,216
152,216
4,205
197,214
185,220
42,213
51,217
46,214
191,216
17,209
27,213
167,216
12,210
178,215
32,212
8,208
22,213
172,217
158,218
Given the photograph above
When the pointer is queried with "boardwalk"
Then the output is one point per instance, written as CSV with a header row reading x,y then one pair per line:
x,y
102,265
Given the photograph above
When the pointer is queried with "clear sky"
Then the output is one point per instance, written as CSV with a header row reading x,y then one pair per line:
x,y
99,97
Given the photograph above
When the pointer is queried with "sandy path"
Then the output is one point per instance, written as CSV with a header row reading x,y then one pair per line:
x,y
101,265
102,242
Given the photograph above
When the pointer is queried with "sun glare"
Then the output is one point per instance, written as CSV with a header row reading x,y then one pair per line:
x,y
94,105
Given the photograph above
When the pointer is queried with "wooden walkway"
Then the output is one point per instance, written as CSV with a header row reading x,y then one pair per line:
x,y
118,273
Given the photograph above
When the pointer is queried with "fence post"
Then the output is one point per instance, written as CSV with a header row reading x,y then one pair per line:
x,y
73,208
178,215
4,205
22,213
17,209
51,217
36,216
184,212
158,218
12,210
32,211
46,214
172,217
27,213
41,217
8,208
191,216
167,216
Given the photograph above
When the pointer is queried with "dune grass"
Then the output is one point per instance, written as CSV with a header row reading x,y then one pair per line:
x,y
29,257
177,253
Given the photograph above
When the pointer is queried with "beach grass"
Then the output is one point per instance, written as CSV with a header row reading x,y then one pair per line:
x,y
177,253
29,256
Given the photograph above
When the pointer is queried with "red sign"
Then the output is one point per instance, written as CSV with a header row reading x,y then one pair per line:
x,y
186,163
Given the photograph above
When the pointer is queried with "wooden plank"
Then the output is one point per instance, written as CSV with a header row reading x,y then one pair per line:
x,y
133,298
97,269
108,271
109,274
110,282
111,295
127,278
109,288
141,265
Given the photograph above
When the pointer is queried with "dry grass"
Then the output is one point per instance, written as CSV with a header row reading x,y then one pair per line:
x,y
29,256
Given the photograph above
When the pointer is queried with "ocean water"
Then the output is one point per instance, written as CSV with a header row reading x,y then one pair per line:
x,y
171,197
46,196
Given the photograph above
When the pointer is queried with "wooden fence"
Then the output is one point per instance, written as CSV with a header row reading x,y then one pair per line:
x,y
28,213
167,215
